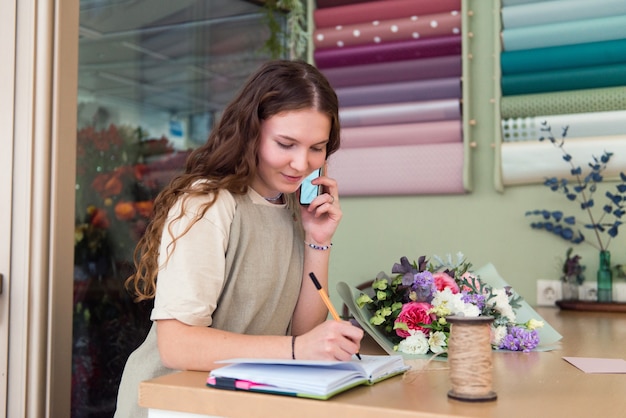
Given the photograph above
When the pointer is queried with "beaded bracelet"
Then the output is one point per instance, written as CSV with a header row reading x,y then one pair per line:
x,y
319,247
293,346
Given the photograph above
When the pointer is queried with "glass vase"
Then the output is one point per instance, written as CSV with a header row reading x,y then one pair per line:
x,y
569,287
605,278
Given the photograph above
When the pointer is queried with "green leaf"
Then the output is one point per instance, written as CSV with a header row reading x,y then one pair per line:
x,y
401,325
363,300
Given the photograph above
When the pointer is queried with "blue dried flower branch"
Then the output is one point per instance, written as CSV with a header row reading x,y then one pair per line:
x,y
581,190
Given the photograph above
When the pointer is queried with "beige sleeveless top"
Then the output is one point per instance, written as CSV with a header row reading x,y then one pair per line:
x,y
263,265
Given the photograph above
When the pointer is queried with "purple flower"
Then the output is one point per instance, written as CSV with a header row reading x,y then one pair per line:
x,y
406,269
424,286
474,299
520,339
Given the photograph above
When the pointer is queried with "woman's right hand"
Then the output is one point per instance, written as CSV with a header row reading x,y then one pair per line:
x,y
331,340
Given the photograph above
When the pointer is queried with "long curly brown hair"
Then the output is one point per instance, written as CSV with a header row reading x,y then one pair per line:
x,y
229,157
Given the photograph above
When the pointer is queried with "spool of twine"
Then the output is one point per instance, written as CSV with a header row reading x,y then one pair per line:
x,y
469,358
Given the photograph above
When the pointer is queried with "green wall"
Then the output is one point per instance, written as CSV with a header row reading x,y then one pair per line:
x,y
487,225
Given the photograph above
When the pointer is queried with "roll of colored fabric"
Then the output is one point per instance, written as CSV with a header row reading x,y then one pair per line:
x,y
562,80
565,33
402,170
546,12
531,162
397,113
388,51
334,3
438,132
577,101
379,10
507,3
580,125
408,91
404,28
396,71
562,57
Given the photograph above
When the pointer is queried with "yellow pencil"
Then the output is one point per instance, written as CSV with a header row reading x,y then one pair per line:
x,y
327,302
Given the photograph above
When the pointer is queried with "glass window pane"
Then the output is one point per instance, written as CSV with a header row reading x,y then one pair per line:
x,y
153,77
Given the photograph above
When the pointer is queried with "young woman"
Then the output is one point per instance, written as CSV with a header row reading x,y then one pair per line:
x,y
229,250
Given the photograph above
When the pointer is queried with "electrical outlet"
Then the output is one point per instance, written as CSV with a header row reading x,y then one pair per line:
x,y
588,291
548,292
619,292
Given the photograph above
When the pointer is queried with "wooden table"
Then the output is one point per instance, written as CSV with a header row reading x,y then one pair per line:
x,y
536,384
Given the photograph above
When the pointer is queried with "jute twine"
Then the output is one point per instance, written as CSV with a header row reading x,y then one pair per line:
x,y
469,358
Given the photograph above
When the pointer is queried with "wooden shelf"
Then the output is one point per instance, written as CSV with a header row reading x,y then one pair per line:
x,y
580,305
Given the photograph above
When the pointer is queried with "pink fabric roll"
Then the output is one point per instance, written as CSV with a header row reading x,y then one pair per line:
x,y
397,113
378,31
395,71
438,132
389,51
402,170
381,10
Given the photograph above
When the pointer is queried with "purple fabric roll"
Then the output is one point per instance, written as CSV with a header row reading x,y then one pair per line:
x,y
395,71
409,91
390,51
399,113
322,4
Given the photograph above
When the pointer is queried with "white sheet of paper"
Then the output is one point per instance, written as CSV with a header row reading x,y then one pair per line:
x,y
598,365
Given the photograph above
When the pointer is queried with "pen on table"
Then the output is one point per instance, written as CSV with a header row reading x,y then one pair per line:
x,y
327,302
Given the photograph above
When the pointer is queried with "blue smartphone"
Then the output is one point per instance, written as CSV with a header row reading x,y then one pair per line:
x,y
309,191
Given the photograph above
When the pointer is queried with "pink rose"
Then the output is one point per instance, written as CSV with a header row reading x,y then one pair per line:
x,y
442,281
413,314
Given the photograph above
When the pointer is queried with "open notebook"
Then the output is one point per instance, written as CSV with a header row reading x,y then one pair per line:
x,y
303,378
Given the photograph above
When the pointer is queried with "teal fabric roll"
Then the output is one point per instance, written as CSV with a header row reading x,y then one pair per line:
x,y
563,102
545,12
563,57
561,80
564,33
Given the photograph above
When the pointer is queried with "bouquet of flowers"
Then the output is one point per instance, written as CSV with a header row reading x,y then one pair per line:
x,y
411,308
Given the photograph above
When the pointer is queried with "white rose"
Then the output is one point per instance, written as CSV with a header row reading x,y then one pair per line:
x,y
501,304
497,335
414,344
